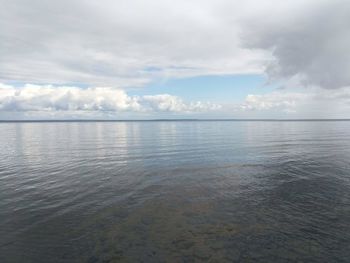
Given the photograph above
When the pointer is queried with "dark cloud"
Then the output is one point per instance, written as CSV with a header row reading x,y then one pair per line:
x,y
310,44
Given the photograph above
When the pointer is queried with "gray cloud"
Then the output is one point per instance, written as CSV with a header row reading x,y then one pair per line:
x,y
310,44
114,43
118,43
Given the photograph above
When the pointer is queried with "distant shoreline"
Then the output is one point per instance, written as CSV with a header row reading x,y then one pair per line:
x,y
180,120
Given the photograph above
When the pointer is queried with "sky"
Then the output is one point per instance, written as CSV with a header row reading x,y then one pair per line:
x,y
137,59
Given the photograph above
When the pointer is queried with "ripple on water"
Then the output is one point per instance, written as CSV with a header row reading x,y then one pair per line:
x,y
175,192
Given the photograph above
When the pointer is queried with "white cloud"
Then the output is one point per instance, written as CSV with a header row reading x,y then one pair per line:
x,y
170,103
99,99
276,100
306,103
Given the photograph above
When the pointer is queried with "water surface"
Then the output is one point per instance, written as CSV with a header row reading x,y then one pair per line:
x,y
193,191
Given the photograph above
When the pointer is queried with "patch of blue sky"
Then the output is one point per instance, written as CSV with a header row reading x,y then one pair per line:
x,y
214,88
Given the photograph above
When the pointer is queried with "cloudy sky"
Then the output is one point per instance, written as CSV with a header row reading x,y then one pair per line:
x,y
138,59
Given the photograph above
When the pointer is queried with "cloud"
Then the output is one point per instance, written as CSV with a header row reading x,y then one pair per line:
x,y
131,43
114,43
98,99
275,100
170,103
310,43
305,103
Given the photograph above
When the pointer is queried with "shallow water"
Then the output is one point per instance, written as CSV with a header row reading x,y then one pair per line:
x,y
192,191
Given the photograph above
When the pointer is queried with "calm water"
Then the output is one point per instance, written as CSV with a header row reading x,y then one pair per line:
x,y
175,192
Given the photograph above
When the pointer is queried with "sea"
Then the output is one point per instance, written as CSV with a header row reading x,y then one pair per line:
x,y
175,191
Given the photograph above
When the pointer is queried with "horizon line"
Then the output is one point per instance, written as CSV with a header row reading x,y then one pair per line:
x,y
159,120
